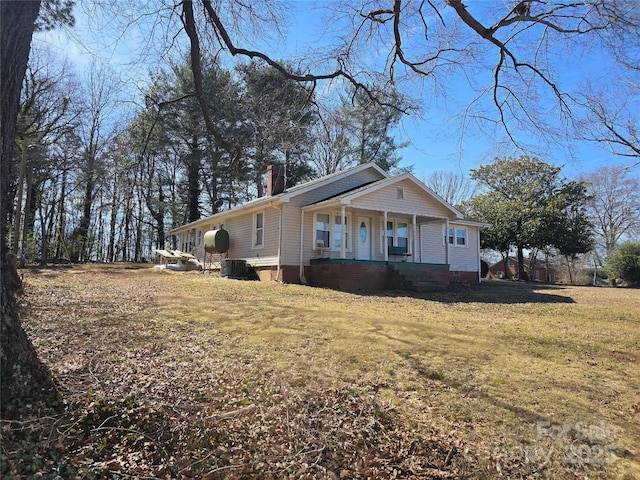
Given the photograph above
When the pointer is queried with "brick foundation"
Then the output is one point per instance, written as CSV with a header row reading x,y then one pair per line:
x,y
348,276
361,275
288,274
470,277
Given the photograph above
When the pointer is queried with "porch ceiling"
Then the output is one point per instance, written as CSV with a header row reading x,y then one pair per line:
x,y
336,207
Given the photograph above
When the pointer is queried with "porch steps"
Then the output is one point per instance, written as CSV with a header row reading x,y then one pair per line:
x,y
409,277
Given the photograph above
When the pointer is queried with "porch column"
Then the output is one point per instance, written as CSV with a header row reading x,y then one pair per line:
x,y
343,231
415,236
384,237
446,242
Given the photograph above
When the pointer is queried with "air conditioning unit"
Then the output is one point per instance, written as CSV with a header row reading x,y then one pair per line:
x,y
233,268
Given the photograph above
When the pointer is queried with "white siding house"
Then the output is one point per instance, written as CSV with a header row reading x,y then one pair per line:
x,y
355,227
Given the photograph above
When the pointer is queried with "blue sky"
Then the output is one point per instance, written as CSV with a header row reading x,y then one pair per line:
x,y
438,138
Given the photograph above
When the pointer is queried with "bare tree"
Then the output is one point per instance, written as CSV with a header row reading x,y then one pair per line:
x,y
506,52
509,42
615,205
612,121
455,188
46,115
332,146
97,129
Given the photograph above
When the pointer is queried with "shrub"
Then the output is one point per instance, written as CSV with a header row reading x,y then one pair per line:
x,y
624,263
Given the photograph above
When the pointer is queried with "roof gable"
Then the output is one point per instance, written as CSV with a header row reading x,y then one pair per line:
x,y
347,198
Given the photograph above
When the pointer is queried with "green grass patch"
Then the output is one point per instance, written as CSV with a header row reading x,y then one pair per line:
x,y
532,379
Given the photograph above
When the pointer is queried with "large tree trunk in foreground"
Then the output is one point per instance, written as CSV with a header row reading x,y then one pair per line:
x,y
22,375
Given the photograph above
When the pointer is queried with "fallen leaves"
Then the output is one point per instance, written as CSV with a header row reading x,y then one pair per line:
x,y
152,398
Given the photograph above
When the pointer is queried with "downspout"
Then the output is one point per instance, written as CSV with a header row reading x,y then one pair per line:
x,y
278,269
303,279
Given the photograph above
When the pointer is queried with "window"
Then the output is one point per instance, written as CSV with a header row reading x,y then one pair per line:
x,y
398,234
450,237
400,193
329,231
323,229
258,230
338,229
456,236
402,234
390,234
199,240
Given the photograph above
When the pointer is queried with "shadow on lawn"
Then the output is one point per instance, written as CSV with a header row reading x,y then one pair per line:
x,y
489,291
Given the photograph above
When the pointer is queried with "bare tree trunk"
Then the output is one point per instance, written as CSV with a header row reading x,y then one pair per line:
x,y
138,247
128,219
100,231
21,374
27,223
44,244
50,220
568,260
112,220
60,249
193,182
80,235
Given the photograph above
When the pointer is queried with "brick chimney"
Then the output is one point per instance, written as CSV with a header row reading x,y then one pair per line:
x,y
275,179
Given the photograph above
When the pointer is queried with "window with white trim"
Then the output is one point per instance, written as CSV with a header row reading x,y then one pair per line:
x,y
402,235
328,231
338,229
323,230
398,234
390,230
258,230
456,236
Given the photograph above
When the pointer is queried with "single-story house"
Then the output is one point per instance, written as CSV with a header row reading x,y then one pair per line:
x,y
357,228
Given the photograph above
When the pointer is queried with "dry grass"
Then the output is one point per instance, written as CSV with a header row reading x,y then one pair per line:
x,y
502,379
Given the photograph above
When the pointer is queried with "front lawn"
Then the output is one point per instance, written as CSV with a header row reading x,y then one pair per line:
x,y
182,375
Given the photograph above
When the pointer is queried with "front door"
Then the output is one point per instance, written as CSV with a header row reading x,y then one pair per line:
x,y
364,239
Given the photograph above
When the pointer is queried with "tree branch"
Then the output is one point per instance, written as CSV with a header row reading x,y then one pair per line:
x,y
286,73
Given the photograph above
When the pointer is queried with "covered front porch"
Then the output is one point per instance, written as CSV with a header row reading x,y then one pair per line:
x,y
347,233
